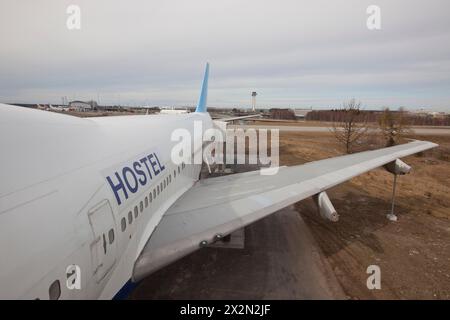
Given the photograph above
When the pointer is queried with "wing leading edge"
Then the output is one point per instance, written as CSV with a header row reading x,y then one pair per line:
x,y
218,206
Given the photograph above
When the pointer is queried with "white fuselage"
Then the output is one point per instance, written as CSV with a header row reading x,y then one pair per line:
x,y
58,209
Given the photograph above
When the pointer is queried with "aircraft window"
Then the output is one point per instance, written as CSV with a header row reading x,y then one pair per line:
x,y
183,165
141,206
54,292
150,197
136,212
164,184
174,173
130,217
123,224
161,186
178,169
104,244
154,193
146,202
157,188
111,236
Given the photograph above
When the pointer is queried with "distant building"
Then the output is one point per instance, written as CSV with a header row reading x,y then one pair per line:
x,y
301,113
83,106
282,114
172,110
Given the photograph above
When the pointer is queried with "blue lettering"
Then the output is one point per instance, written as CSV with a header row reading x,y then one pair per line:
x,y
125,170
153,163
143,179
117,187
144,161
135,175
159,163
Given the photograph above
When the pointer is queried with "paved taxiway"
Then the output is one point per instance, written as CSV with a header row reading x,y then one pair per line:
x,y
280,260
415,130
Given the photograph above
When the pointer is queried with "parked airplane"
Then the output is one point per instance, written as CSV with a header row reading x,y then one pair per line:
x,y
90,205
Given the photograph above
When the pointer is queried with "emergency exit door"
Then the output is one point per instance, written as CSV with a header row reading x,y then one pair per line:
x,y
104,247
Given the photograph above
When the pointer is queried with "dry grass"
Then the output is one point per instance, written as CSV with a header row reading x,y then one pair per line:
x,y
413,253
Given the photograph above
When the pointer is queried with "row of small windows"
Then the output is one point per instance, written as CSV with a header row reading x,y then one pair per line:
x,y
148,199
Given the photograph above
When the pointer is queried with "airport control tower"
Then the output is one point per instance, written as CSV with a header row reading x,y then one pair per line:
x,y
254,101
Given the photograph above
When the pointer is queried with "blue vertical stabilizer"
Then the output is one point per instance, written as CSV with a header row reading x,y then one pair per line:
x,y
201,106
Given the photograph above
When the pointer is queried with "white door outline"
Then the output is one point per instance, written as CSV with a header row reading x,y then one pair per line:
x,y
103,250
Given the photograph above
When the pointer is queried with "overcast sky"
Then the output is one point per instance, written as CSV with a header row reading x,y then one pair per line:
x,y
293,53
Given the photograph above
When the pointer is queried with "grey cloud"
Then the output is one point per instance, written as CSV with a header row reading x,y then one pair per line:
x,y
296,53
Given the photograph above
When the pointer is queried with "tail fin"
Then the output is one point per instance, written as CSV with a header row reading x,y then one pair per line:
x,y
201,106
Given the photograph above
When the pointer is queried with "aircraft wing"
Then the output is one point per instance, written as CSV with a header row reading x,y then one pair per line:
x,y
219,206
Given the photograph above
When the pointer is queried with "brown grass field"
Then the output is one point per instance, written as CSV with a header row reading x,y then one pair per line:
x,y
414,252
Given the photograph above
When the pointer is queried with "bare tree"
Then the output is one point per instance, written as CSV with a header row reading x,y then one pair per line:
x,y
393,125
350,124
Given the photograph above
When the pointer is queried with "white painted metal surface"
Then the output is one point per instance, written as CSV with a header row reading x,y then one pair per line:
x,y
222,205
65,198
325,207
52,175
